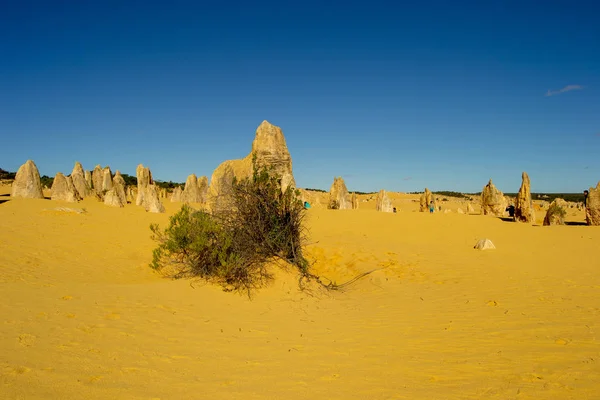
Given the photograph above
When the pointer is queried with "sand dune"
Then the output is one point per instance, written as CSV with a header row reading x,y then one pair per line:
x,y
83,316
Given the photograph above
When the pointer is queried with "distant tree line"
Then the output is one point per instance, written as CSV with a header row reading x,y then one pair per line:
x,y
7,175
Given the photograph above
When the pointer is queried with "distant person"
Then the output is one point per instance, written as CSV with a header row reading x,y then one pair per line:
x,y
431,207
306,205
394,210
585,196
511,210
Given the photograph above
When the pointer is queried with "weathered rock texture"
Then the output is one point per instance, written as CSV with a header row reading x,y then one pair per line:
x,y
470,209
63,189
484,244
492,201
88,179
97,178
107,183
271,151
354,201
147,196
203,188
592,210
144,179
523,205
425,200
383,202
27,182
176,195
151,201
116,196
193,193
338,195
556,213
78,177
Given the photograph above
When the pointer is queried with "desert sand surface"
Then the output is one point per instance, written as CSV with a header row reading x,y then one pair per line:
x,y
83,316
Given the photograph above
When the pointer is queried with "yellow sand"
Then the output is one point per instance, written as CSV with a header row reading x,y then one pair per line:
x,y
82,315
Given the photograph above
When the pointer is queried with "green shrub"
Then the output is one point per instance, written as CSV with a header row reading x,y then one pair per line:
x,y
556,209
233,246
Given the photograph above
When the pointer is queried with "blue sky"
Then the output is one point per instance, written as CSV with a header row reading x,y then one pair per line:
x,y
393,95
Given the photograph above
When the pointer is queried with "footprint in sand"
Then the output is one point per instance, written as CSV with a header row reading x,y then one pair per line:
x,y
27,340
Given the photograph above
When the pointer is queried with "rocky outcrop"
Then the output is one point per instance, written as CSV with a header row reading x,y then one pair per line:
x,y
151,201
383,202
484,244
144,179
203,188
97,179
176,195
107,183
270,149
556,213
339,198
148,194
523,204
63,189
191,192
116,196
354,201
27,182
88,179
592,206
492,201
425,200
78,177
470,209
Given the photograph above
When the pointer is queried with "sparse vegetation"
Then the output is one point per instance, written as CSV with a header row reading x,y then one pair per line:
x,y
234,247
7,175
556,209
46,181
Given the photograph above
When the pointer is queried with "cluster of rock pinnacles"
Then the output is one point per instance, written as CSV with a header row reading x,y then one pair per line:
x,y
269,148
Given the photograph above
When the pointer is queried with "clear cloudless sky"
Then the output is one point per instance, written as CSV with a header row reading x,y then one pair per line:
x,y
393,95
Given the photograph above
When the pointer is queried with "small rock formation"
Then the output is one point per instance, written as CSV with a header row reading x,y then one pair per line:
x,y
523,204
271,151
116,196
425,200
338,195
203,187
592,206
383,202
27,182
484,244
191,192
144,179
107,183
78,176
460,211
88,179
354,201
176,196
97,179
147,195
470,208
131,194
63,189
492,201
556,213
151,201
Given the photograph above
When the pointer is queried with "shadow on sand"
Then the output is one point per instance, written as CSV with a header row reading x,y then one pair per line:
x,y
576,223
